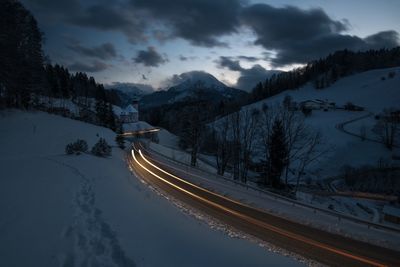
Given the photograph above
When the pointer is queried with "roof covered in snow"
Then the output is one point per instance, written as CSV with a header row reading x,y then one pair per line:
x,y
120,111
130,109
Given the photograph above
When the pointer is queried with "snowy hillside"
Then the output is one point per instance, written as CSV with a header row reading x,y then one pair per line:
x,y
367,90
59,210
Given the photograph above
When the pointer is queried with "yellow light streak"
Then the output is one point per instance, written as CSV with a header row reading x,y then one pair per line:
x,y
248,218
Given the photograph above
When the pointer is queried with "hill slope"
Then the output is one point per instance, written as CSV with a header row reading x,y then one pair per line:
x,y
59,210
366,89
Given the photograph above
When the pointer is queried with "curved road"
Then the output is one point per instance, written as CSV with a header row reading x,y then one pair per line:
x,y
311,243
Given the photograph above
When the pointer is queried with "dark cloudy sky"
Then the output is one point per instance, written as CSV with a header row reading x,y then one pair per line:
x,y
239,42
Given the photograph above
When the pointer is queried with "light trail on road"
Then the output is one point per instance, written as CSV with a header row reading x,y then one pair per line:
x,y
232,208
139,132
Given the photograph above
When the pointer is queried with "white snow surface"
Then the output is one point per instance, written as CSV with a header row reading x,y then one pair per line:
x,y
364,89
59,210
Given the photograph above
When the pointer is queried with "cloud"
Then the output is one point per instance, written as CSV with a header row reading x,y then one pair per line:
x,y
292,34
227,62
186,58
183,58
104,51
149,57
54,8
118,16
299,36
112,18
382,39
248,77
248,58
94,66
201,22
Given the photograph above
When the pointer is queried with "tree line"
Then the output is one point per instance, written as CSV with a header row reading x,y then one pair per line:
x,y
25,78
21,56
326,71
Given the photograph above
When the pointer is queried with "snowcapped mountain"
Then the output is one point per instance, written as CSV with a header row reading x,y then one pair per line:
x,y
197,80
131,88
126,92
192,85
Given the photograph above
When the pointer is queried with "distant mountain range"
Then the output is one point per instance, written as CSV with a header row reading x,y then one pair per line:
x,y
192,85
126,92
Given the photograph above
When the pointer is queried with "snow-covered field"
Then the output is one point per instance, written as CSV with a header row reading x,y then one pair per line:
x,y
59,210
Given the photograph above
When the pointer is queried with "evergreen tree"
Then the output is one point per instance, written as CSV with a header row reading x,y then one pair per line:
x,y
111,123
21,57
119,139
277,152
328,70
101,148
78,147
101,106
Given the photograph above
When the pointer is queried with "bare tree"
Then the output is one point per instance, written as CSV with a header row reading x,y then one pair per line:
x,y
310,152
242,133
387,127
249,119
192,131
301,144
295,132
222,143
266,121
235,124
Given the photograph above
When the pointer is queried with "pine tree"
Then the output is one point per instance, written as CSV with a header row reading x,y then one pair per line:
x,y
101,148
111,123
119,139
21,57
277,152
101,106
78,147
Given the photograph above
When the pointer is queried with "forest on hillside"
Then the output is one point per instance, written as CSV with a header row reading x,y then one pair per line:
x,y
26,76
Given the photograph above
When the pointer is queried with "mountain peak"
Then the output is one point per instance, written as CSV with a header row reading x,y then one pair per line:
x,y
196,80
131,88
